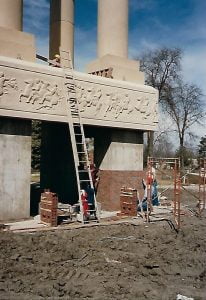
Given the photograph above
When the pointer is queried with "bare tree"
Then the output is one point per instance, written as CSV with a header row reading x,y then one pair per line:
x,y
185,106
202,147
161,68
163,147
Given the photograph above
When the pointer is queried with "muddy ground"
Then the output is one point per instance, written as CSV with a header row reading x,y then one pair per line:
x,y
122,261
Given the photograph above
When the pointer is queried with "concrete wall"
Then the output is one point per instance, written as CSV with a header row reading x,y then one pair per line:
x,y
15,168
118,150
118,154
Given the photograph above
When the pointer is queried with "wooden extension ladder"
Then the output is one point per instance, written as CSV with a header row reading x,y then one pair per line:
x,y
88,211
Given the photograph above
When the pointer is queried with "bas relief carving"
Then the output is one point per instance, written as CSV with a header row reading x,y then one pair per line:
x,y
37,93
41,94
7,84
97,101
116,104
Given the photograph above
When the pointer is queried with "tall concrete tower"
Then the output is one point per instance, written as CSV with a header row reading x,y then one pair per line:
x,y
15,134
113,28
112,39
61,26
14,42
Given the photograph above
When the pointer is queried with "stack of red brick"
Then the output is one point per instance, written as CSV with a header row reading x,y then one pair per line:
x,y
48,208
128,202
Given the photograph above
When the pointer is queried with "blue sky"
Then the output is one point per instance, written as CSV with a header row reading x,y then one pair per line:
x,y
152,24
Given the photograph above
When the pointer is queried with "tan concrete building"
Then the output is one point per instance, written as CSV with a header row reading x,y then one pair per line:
x,y
115,112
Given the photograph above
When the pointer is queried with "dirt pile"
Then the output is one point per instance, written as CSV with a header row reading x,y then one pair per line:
x,y
112,262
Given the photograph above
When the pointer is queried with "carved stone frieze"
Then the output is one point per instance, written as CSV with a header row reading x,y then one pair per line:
x,y
116,104
7,84
41,94
32,91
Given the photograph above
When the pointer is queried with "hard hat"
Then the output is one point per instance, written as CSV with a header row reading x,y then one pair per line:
x,y
57,56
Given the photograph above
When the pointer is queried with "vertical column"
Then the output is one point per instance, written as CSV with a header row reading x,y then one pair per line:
x,y
113,28
15,168
57,165
57,162
61,26
15,134
11,14
118,153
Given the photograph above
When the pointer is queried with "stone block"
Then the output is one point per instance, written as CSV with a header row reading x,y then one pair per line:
x,y
17,44
123,68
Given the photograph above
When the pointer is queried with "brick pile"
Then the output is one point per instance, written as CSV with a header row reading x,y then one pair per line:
x,y
128,202
48,208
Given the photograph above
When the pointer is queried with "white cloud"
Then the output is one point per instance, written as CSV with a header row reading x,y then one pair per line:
x,y
194,66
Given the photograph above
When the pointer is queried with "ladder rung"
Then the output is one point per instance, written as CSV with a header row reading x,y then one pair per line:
x,y
84,180
82,161
80,143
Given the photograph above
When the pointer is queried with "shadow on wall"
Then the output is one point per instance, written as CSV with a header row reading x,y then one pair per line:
x,y
35,194
102,140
